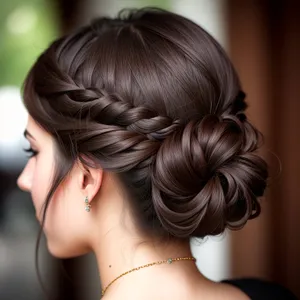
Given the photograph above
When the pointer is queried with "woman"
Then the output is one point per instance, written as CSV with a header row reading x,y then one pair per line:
x,y
139,141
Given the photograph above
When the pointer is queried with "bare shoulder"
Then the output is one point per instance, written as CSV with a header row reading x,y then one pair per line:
x,y
213,291
227,291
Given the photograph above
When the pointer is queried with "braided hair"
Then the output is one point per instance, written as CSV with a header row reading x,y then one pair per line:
x,y
152,97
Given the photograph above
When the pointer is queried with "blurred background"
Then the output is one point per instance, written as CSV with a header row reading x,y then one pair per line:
x,y
263,40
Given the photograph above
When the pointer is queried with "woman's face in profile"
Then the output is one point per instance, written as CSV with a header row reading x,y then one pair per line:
x,y
65,217
39,168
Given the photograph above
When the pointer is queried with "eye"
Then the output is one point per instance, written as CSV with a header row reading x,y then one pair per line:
x,y
31,151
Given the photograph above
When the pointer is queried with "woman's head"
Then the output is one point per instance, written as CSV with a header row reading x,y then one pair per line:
x,y
152,99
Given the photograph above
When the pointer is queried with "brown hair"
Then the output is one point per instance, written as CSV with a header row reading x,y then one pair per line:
x,y
153,98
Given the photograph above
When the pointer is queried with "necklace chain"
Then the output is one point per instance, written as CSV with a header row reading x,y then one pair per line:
x,y
167,261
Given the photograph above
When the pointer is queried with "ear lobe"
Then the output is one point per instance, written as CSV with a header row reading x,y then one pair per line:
x,y
90,180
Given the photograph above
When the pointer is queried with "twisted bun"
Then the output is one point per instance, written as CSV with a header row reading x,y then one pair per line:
x,y
153,98
206,177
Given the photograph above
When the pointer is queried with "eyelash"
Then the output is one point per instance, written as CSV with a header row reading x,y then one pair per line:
x,y
31,151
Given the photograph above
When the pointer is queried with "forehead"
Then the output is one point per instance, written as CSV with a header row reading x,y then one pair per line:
x,y
36,130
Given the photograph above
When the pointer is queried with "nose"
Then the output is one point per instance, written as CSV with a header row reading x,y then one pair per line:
x,y
24,180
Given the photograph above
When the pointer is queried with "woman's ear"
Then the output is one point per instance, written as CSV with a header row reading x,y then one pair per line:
x,y
90,180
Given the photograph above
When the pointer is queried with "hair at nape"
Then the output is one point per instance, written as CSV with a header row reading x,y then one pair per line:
x,y
152,97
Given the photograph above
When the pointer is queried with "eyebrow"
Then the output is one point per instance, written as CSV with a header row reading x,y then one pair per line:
x,y
27,133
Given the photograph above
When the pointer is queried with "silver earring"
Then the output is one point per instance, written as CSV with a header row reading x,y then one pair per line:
x,y
87,205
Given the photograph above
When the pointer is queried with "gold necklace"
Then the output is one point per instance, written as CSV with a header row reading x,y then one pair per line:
x,y
167,261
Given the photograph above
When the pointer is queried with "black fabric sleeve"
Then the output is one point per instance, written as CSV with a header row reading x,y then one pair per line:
x,y
258,289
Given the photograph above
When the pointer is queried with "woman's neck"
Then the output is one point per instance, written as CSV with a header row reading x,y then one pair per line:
x,y
120,250
119,247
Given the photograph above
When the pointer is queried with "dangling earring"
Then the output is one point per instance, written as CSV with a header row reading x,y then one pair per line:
x,y
87,205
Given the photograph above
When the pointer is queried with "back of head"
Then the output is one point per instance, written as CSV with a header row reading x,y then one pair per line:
x,y
152,97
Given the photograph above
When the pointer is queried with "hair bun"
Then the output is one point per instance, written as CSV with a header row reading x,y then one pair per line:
x,y
206,177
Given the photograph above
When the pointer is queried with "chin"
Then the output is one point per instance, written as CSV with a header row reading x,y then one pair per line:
x,y
59,251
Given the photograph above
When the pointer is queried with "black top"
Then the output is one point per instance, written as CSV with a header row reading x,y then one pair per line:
x,y
257,289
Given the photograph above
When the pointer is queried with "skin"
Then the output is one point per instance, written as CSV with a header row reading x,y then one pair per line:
x,y
109,231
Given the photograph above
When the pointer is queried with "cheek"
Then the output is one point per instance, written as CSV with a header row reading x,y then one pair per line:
x,y
65,213
41,181
65,222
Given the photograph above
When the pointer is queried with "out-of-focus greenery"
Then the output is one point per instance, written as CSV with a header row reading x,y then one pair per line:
x,y
165,4
26,28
